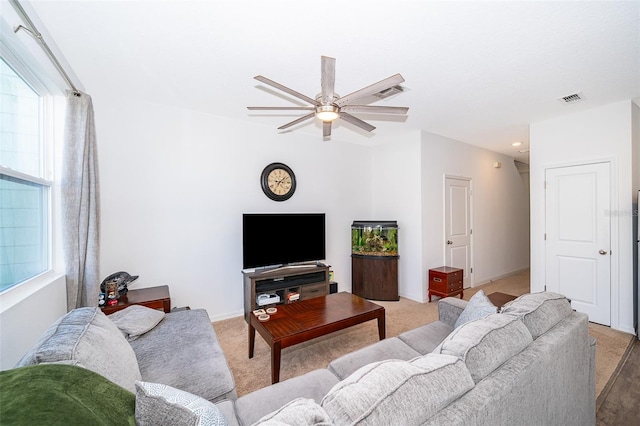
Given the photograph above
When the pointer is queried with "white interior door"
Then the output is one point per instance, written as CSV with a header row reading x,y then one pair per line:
x,y
578,237
458,226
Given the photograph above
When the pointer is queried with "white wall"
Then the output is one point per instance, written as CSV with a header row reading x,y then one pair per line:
x,y
408,183
499,204
174,185
395,174
602,133
27,312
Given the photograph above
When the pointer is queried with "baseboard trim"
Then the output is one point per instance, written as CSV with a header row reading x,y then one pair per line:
x,y
226,316
500,277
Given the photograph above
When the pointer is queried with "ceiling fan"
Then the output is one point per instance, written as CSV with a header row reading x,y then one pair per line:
x,y
328,106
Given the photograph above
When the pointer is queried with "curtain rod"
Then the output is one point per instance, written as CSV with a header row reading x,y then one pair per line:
x,y
33,32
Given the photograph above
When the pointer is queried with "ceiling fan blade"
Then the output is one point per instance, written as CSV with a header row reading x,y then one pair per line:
x,y
328,78
296,121
309,108
356,121
285,89
377,109
371,89
326,128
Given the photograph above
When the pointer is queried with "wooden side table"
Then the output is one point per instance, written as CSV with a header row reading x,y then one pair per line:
x,y
445,282
501,299
151,297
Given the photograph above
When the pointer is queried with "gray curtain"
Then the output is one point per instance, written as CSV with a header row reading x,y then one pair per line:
x,y
80,203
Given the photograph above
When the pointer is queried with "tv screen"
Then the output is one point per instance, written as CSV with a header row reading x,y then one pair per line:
x,y
282,238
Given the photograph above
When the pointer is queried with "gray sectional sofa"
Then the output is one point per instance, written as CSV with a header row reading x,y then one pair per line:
x,y
531,364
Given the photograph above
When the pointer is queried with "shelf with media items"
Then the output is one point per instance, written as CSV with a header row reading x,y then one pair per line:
x,y
264,289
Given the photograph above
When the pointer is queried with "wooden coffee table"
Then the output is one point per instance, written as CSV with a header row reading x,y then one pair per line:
x,y
307,319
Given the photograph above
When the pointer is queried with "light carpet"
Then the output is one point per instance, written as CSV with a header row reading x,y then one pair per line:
x,y
255,373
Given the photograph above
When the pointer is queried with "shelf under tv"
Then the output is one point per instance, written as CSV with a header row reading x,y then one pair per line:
x,y
307,280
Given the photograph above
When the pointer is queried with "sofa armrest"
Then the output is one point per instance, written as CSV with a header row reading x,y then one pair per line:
x,y
449,309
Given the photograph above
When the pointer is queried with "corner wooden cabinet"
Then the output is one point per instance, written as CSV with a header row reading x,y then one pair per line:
x,y
308,281
375,277
445,282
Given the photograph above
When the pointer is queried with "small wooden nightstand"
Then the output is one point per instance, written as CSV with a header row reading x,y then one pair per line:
x,y
445,282
151,297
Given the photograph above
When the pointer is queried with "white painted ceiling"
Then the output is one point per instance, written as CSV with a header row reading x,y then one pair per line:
x,y
479,72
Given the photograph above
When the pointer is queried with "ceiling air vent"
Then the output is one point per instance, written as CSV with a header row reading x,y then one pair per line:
x,y
573,98
391,91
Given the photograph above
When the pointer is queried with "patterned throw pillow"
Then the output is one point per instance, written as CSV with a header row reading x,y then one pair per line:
x,y
479,306
162,405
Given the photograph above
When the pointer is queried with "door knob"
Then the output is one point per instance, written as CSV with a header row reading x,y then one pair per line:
x,y
603,252
449,242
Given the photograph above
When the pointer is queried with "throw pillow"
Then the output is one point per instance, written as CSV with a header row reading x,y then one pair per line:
x,y
162,405
136,320
300,411
479,306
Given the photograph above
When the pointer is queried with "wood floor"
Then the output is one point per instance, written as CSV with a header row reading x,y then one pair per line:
x,y
620,405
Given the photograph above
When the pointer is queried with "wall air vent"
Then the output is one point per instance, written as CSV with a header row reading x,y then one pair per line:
x,y
573,98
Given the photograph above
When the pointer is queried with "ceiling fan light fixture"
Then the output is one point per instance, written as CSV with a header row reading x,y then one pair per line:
x,y
327,113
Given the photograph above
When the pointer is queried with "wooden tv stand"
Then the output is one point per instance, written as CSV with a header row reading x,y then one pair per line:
x,y
308,281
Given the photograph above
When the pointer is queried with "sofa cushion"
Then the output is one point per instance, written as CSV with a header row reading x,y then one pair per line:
x,y
57,394
182,351
392,348
398,392
313,385
136,320
539,311
479,306
485,344
426,338
87,338
162,405
298,412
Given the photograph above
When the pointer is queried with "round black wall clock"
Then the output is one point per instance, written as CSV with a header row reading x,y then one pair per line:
x,y
278,181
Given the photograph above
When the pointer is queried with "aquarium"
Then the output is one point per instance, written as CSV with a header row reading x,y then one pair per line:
x,y
374,238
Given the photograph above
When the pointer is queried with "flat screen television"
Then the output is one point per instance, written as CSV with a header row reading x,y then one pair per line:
x,y
276,239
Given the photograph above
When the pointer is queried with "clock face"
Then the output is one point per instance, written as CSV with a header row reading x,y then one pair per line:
x,y
278,181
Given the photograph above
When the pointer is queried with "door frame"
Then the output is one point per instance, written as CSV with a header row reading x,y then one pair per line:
x,y
615,242
444,223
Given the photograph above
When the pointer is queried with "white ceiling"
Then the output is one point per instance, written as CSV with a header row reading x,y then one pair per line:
x,y
478,72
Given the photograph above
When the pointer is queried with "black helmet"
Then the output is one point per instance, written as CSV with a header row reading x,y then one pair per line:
x,y
122,278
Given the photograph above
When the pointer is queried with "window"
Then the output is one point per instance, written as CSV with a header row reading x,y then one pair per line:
x,y
24,192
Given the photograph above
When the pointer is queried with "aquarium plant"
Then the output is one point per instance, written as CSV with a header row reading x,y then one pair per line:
x,y
374,238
